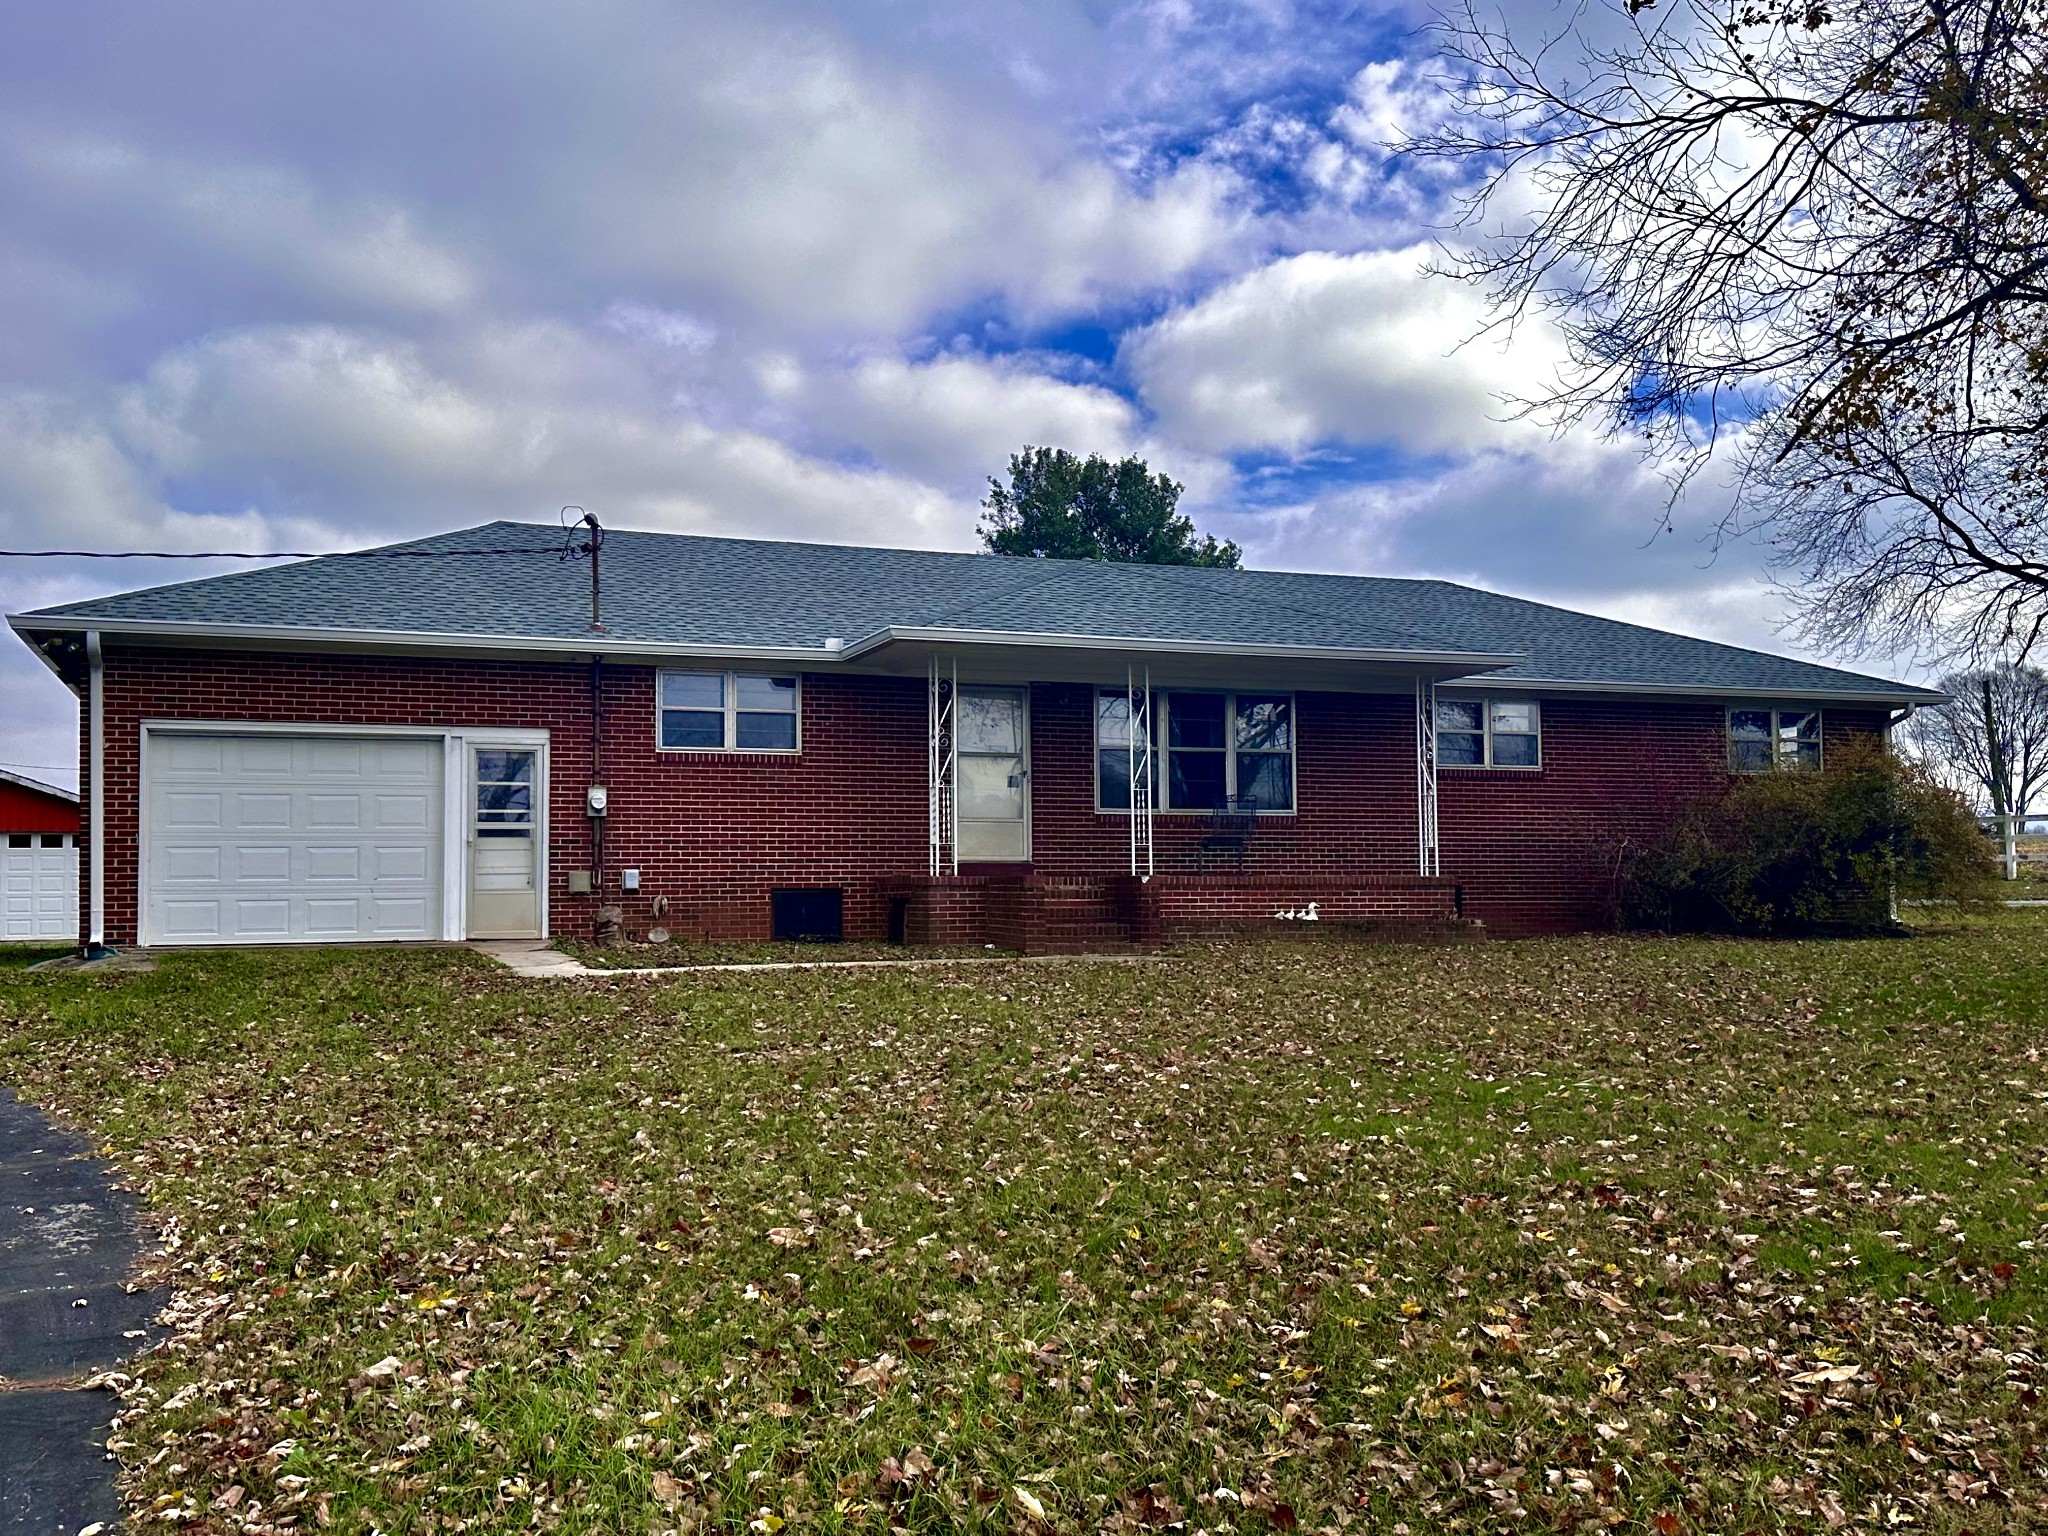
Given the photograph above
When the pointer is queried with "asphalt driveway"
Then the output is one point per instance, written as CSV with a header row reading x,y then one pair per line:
x,y
69,1239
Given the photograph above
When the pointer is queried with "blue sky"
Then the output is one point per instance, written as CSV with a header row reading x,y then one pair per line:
x,y
306,276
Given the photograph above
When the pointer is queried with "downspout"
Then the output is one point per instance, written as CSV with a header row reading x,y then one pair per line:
x,y
1893,721
597,770
96,823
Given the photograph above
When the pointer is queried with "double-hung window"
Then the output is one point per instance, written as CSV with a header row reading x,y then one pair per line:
x,y
727,712
1113,752
1218,749
1488,733
1762,739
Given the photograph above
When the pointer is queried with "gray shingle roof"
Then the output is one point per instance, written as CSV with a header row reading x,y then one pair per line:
x,y
689,591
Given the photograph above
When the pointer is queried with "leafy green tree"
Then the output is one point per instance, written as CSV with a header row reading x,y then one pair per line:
x,y
1060,507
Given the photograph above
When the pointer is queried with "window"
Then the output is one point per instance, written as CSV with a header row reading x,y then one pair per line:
x,y
1488,733
504,793
20,840
55,840
727,712
1762,739
1218,747
1113,752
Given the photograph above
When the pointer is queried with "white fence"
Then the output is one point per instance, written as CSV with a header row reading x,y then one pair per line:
x,y
2021,840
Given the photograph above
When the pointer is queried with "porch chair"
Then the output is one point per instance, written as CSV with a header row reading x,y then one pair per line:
x,y
1231,825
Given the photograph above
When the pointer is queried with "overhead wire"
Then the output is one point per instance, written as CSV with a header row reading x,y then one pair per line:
x,y
274,554
568,549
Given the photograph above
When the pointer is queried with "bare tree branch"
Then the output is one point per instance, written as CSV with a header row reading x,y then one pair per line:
x,y
1820,228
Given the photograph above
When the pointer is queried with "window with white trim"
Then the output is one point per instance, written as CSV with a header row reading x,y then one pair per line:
x,y
1762,739
1488,733
1113,753
1215,749
726,712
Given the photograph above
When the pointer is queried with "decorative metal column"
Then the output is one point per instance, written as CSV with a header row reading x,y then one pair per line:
x,y
1138,747
1425,776
942,760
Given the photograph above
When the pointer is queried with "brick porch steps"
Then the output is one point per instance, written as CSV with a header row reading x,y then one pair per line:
x,y
1116,914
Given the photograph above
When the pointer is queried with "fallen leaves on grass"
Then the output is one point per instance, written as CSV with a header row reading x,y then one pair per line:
x,y
1559,1236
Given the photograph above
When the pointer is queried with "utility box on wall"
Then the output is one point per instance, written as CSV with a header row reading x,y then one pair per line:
x,y
809,916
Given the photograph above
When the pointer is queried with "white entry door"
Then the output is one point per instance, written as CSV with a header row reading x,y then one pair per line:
x,y
38,885
993,736
504,864
281,838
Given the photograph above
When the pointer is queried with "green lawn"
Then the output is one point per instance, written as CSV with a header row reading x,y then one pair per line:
x,y
679,952
1662,1236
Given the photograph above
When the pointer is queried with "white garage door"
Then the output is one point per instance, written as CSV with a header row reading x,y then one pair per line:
x,y
274,839
38,885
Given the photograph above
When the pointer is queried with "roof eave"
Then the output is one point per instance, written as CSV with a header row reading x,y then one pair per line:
x,y
1902,694
925,635
54,791
26,624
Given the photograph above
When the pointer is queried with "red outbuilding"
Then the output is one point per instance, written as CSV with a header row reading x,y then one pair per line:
x,y
38,860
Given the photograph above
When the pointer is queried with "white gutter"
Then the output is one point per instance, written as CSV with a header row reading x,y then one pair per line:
x,y
357,639
829,653
818,655
897,634
96,761
1895,697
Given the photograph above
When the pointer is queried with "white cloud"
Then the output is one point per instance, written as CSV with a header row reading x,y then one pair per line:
x,y
661,327
64,478
327,417
771,174
251,217
1576,521
1359,349
275,277
956,419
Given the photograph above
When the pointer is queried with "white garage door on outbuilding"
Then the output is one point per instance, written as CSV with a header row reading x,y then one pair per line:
x,y
273,837
38,885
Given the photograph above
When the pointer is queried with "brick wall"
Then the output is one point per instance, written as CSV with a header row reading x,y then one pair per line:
x,y
1535,850
1173,908
714,833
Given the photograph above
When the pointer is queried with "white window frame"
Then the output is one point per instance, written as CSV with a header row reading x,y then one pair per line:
x,y
1486,701
1781,762
1162,709
730,691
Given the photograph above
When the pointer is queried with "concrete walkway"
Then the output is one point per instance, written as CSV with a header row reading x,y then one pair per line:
x,y
532,957
68,1240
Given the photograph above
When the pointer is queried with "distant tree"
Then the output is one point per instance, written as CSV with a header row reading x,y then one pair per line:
x,y
1991,738
1060,507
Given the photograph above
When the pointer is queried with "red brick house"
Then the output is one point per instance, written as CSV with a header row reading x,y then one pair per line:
x,y
38,860
435,741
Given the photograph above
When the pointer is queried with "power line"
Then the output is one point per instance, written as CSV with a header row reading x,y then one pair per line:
x,y
275,554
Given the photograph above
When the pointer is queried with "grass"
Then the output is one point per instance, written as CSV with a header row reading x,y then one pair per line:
x,y
673,952
1644,1235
